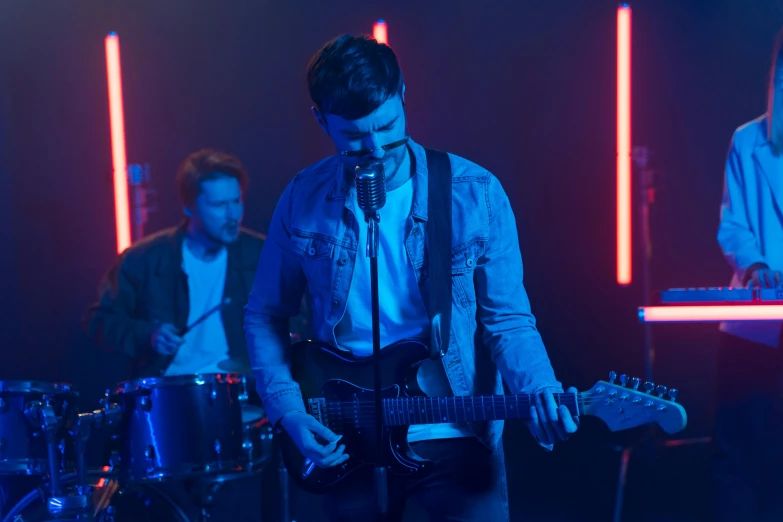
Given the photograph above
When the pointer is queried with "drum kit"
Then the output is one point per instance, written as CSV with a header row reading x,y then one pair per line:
x,y
204,430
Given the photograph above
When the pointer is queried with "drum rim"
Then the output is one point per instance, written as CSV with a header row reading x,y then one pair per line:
x,y
11,386
199,379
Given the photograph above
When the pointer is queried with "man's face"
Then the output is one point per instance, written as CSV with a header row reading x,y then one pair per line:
x,y
218,210
383,126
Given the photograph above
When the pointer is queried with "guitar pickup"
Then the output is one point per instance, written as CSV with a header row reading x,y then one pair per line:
x,y
317,409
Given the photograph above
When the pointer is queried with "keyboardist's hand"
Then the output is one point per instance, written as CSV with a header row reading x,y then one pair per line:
x,y
765,278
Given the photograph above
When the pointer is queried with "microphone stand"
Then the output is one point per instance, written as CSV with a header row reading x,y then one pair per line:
x,y
381,490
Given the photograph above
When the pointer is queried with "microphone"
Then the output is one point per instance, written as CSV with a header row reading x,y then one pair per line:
x,y
371,188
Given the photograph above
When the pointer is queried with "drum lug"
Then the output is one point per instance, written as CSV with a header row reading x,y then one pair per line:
x,y
2,447
243,397
217,453
146,403
247,446
213,394
149,454
61,447
114,460
3,405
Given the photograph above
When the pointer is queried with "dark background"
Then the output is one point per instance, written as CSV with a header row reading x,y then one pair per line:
x,y
524,88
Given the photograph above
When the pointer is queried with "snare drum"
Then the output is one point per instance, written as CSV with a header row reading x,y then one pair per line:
x,y
181,426
24,405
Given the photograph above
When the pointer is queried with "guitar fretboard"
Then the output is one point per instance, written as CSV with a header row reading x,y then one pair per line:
x,y
436,410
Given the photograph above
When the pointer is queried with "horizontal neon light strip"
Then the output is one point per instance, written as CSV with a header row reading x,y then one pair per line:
x,y
694,314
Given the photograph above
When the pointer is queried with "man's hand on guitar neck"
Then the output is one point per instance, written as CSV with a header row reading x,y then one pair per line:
x,y
549,423
305,431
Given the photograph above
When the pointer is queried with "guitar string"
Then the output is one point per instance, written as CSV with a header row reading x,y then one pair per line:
x,y
347,414
452,401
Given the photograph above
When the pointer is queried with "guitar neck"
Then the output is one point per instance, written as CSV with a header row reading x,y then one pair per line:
x,y
437,410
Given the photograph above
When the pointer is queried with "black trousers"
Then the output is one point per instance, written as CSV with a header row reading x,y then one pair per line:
x,y
747,465
464,483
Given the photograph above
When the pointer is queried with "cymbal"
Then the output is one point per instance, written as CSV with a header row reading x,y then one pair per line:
x,y
232,366
252,413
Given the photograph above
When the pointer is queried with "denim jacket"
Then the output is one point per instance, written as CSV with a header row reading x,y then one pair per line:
x,y
312,243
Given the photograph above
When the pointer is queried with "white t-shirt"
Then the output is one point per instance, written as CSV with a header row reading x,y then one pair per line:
x,y
205,345
402,311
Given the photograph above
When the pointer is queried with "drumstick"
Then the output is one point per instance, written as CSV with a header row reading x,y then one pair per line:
x,y
107,492
188,328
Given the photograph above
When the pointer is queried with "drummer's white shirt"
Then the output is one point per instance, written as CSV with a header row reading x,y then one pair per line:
x,y
205,345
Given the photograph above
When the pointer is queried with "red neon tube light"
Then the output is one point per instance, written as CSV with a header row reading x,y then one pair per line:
x,y
624,144
380,32
119,159
710,313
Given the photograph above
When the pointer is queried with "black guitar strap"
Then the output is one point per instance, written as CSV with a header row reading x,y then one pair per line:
x,y
439,248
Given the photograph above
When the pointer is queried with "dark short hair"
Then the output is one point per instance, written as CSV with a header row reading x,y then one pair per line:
x,y
351,76
204,165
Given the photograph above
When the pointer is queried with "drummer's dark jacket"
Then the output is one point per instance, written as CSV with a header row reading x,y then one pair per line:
x,y
147,287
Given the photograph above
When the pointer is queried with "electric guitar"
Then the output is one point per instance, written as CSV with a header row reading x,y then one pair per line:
x,y
338,392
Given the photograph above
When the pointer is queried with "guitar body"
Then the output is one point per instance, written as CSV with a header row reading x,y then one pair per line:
x,y
339,391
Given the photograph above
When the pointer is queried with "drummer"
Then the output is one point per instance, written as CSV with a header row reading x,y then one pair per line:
x,y
174,302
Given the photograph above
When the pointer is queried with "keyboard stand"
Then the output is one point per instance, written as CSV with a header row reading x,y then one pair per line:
x,y
641,156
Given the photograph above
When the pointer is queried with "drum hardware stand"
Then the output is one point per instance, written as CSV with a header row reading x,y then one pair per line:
x,y
204,496
82,501
641,159
285,505
79,504
42,414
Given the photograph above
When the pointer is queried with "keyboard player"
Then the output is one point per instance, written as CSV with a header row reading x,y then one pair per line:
x,y
748,430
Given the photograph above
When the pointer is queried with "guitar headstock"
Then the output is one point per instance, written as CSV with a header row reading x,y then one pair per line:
x,y
623,406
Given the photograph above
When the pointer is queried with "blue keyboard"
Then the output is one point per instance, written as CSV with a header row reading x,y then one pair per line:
x,y
721,295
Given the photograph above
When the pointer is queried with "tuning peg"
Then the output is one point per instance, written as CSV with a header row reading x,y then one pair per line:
x,y
661,390
673,393
649,387
624,380
612,377
636,381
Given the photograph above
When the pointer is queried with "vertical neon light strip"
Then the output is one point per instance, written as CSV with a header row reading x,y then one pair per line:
x,y
380,32
624,144
119,160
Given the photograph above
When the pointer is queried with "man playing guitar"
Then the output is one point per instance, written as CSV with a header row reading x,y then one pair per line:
x,y
316,242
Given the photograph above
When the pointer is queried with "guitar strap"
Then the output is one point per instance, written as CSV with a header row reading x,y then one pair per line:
x,y
439,248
